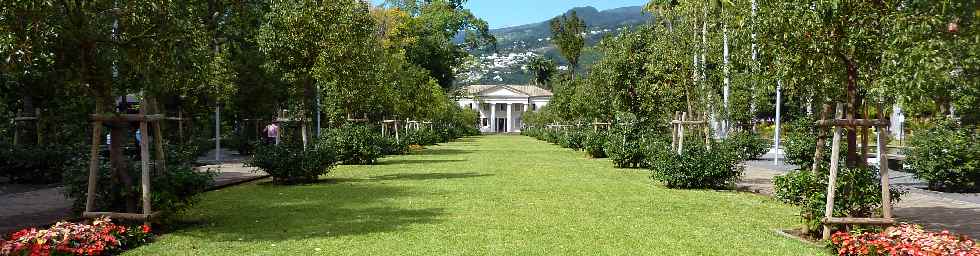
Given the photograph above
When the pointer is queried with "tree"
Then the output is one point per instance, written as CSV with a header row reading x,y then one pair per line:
x,y
542,70
568,33
433,26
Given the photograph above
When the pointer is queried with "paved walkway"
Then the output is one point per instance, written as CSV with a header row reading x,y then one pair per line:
x,y
956,212
42,206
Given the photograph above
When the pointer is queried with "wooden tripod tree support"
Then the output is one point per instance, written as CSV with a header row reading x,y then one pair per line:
x,y
93,175
384,128
596,125
180,119
36,119
677,131
886,211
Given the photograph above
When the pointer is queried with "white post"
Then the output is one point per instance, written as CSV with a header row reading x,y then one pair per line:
x,y
217,132
510,118
493,117
318,111
779,99
897,122
724,121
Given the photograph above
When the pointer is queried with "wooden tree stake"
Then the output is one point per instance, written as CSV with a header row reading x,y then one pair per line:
x,y
832,184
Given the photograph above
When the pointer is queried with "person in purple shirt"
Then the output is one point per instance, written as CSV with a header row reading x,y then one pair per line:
x,y
272,133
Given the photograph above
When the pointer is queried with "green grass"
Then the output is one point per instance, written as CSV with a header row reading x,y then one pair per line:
x,y
493,195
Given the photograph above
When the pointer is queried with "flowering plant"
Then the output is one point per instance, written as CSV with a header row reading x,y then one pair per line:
x,y
904,239
101,237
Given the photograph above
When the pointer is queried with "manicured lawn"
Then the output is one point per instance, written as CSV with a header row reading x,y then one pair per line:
x,y
492,195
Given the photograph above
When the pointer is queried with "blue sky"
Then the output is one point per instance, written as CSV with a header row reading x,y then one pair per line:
x,y
507,13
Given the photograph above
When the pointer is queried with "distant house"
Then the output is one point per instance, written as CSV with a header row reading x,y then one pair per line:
x,y
502,106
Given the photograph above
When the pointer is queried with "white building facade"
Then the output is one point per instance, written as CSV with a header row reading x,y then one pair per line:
x,y
501,107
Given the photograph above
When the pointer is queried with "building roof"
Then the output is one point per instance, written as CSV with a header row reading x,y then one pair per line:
x,y
529,90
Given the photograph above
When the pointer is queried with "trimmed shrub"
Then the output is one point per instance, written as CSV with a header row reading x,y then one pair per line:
x,y
747,145
858,193
571,138
594,142
36,164
289,163
696,168
800,143
623,147
422,137
947,156
355,144
390,146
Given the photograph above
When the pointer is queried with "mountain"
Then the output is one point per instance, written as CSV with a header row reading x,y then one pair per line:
x,y
517,45
537,34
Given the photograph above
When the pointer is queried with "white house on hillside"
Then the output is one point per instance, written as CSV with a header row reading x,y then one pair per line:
x,y
501,106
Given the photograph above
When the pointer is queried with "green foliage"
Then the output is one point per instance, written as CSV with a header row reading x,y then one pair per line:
x,y
947,156
567,33
355,144
432,27
421,137
39,164
697,167
747,145
542,70
594,142
391,146
858,193
625,142
800,143
174,189
289,163
570,138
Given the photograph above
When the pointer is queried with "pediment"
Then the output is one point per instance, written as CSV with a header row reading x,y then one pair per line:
x,y
502,91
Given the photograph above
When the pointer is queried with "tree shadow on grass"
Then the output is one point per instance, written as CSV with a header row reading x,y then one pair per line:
x,y
417,161
279,213
429,176
442,152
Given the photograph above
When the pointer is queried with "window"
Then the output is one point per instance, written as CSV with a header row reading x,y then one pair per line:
x,y
502,107
484,121
534,107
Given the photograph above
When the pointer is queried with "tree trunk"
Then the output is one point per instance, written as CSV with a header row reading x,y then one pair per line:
x,y
853,105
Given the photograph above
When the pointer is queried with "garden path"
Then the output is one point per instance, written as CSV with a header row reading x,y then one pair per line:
x,y
956,212
27,206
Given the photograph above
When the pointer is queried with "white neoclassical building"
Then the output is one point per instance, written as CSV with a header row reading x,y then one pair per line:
x,y
501,106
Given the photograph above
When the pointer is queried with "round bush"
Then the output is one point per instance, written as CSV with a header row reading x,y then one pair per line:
x,y
594,142
289,163
747,145
947,156
696,168
355,144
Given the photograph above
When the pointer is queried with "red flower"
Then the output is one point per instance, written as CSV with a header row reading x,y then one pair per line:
x,y
146,228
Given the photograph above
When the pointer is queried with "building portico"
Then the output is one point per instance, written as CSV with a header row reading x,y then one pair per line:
x,y
502,107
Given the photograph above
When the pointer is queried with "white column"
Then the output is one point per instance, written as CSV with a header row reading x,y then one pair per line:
x,y
510,118
779,102
493,117
217,132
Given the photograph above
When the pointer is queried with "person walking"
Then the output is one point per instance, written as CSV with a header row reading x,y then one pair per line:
x,y
272,133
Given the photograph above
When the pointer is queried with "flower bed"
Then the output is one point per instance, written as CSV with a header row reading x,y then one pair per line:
x,y
101,237
904,239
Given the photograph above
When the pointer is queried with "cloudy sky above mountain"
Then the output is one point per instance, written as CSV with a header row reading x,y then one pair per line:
x,y
508,13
